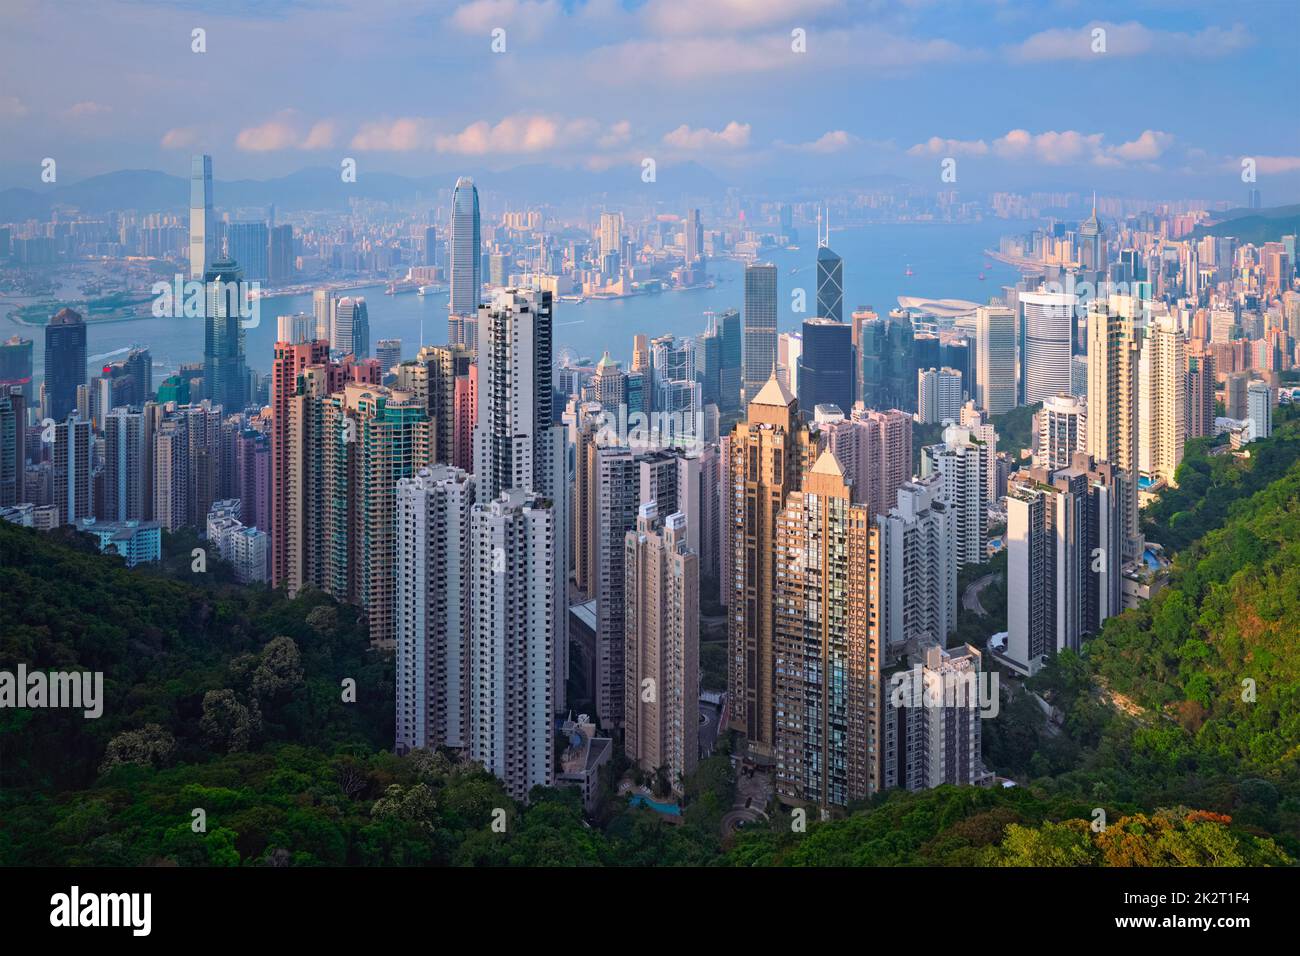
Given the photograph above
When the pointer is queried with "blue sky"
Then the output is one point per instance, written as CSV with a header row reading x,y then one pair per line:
x,y
1014,91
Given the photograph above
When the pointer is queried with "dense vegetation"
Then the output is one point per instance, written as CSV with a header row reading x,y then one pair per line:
x,y
230,700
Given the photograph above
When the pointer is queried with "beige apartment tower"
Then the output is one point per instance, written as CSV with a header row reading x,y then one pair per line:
x,y
662,694
769,452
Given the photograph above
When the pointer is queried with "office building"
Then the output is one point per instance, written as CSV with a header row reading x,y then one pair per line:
x,y
995,359
938,395
202,224
1046,337
465,267
825,366
225,375
65,363
760,327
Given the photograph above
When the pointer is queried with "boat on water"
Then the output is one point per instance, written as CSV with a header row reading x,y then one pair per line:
x,y
982,277
908,272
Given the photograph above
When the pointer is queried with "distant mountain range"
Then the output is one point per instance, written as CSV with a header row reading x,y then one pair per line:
x,y
1255,226
147,190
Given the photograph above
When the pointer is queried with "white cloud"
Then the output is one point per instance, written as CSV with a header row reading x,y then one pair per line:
x,y
86,108
732,136
719,56
1054,148
398,135
11,107
938,146
182,137
529,18
682,17
1130,39
286,130
519,134
833,141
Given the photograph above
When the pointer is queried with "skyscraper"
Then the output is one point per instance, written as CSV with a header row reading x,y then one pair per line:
x,y
225,377
1113,406
963,461
938,395
825,366
1062,431
830,284
13,445
662,648
434,614
995,359
1063,558
917,570
249,243
694,235
1259,406
760,327
1047,326
350,334
518,441
466,263
1199,393
731,366
826,652
127,470
515,587
202,225
1162,411
16,366
614,505
65,363
875,450
71,460
769,453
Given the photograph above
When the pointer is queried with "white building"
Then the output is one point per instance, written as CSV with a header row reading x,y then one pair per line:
x,y
1047,323
433,619
1062,424
995,359
1259,410
515,587
938,395
963,462
918,569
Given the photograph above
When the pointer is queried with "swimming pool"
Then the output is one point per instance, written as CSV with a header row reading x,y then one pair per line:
x,y
671,809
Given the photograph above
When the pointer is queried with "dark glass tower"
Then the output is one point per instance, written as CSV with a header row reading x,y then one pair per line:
x,y
760,326
826,366
830,285
225,378
65,363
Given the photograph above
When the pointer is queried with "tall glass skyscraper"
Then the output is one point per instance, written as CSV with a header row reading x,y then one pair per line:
x,y
202,225
1046,331
825,366
248,243
466,263
760,326
830,284
225,377
65,363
